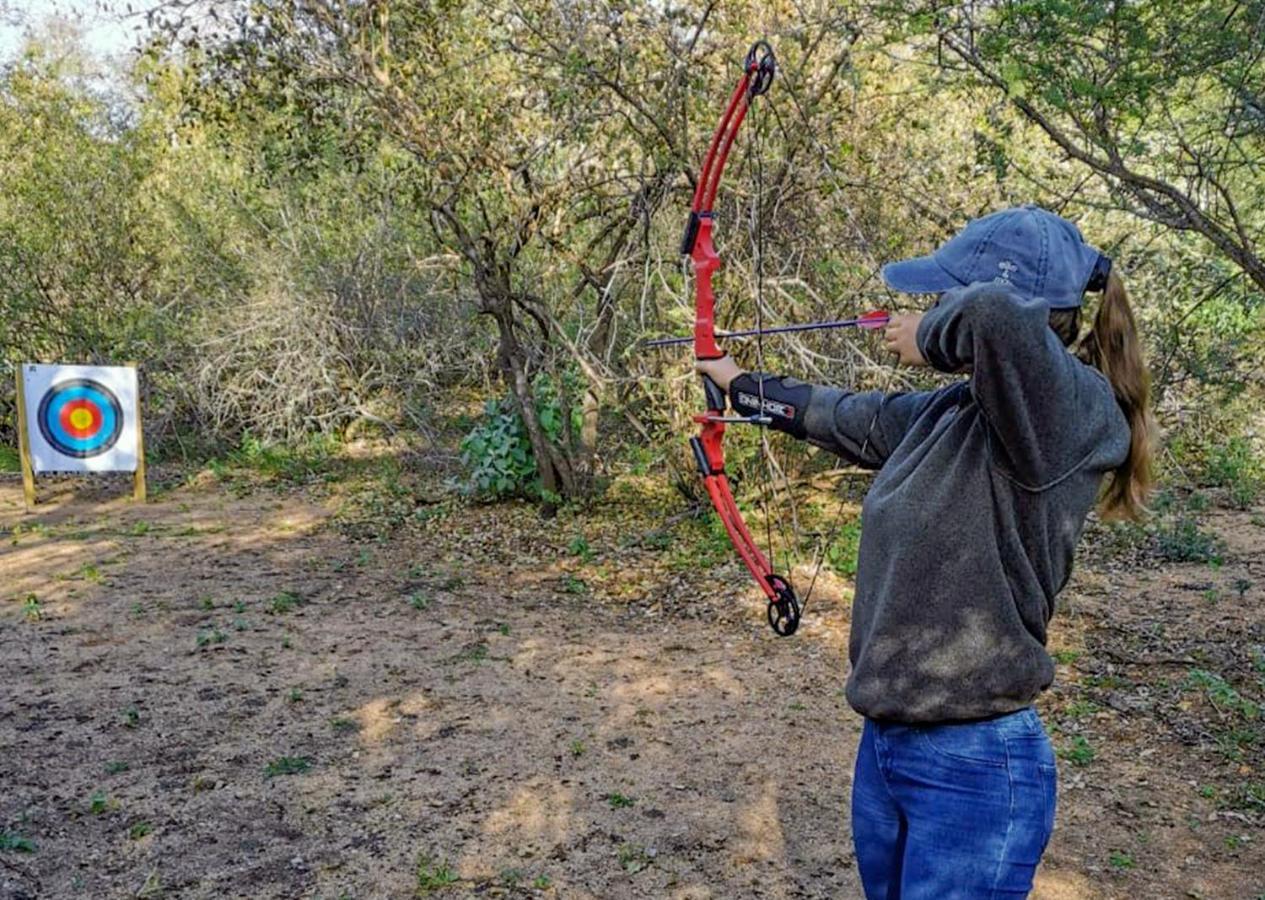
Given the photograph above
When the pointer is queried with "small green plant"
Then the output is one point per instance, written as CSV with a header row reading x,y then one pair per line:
x,y
139,830
208,603
287,765
1236,468
573,585
1066,657
580,547
577,748
131,717
239,607
503,629
139,528
1079,709
343,725
432,875
98,803
16,843
511,878
295,695
1119,859
31,608
282,603
619,801
1080,753
633,858
542,882
209,636
418,601
117,766
1181,540
842,554
138,610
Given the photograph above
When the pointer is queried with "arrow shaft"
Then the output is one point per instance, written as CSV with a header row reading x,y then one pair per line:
x,y
862,321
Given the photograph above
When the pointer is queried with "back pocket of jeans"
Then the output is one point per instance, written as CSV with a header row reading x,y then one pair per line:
x,y
974,742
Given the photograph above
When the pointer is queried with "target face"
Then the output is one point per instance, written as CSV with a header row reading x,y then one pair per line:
x,y
80,418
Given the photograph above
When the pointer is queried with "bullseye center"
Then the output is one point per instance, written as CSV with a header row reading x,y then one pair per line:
x,y
81,419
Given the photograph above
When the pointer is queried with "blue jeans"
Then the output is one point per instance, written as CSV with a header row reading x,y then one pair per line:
x,y
959,810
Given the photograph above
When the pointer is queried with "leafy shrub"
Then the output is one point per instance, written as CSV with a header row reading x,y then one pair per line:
x,y
1235,467
498,453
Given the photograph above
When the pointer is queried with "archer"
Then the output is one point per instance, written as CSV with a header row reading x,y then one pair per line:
x,y
968,535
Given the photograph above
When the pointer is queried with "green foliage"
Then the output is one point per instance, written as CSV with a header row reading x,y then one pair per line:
x,y
498,455
432,875
1235,467
16,843
1079,752
287,765
843,552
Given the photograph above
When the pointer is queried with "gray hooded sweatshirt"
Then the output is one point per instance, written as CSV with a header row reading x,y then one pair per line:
x,y
968,531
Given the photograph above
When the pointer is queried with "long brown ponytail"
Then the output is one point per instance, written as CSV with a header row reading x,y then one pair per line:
x,y
1112,347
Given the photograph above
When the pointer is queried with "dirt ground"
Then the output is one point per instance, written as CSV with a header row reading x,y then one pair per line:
x,y
220,694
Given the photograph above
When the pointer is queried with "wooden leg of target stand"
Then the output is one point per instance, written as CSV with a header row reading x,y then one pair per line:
x,y
24,444
138,477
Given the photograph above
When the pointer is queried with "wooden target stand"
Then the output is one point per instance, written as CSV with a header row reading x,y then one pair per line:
x,y
24,449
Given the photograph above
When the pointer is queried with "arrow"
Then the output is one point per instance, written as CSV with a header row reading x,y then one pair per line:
x,y
871,320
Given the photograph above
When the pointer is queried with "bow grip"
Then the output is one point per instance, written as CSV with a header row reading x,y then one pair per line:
x,y
716,399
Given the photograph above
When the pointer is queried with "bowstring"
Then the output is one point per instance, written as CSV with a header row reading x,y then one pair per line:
x,y
823,547
755,224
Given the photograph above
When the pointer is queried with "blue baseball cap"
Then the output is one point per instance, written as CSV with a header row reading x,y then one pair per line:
x,y
1040,254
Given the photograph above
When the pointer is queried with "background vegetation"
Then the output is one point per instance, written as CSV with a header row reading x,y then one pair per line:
x,y
324,219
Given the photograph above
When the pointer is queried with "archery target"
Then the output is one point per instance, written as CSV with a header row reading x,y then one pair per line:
x,y
81,418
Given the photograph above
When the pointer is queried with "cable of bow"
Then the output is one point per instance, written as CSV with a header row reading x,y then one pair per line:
x,y
708,446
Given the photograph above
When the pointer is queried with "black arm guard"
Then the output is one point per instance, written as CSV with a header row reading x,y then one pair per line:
x,y
785,400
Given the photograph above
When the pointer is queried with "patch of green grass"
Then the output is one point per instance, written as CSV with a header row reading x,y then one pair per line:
x,y
542,883
432,875
295,695
89,572
580,547
343,725
98,803
139,528
633,858
282,603
574,585
1079,709
1119,859
209,636
619,801
1079,753
139,830
131,717
287,765
32,611
1066,657
16,843
475,654
577,748
418,601
10,460
116,766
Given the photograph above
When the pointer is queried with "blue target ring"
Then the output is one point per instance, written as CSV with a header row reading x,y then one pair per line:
x,y
80,418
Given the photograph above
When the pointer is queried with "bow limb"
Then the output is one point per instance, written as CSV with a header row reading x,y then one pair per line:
x,y
697,243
